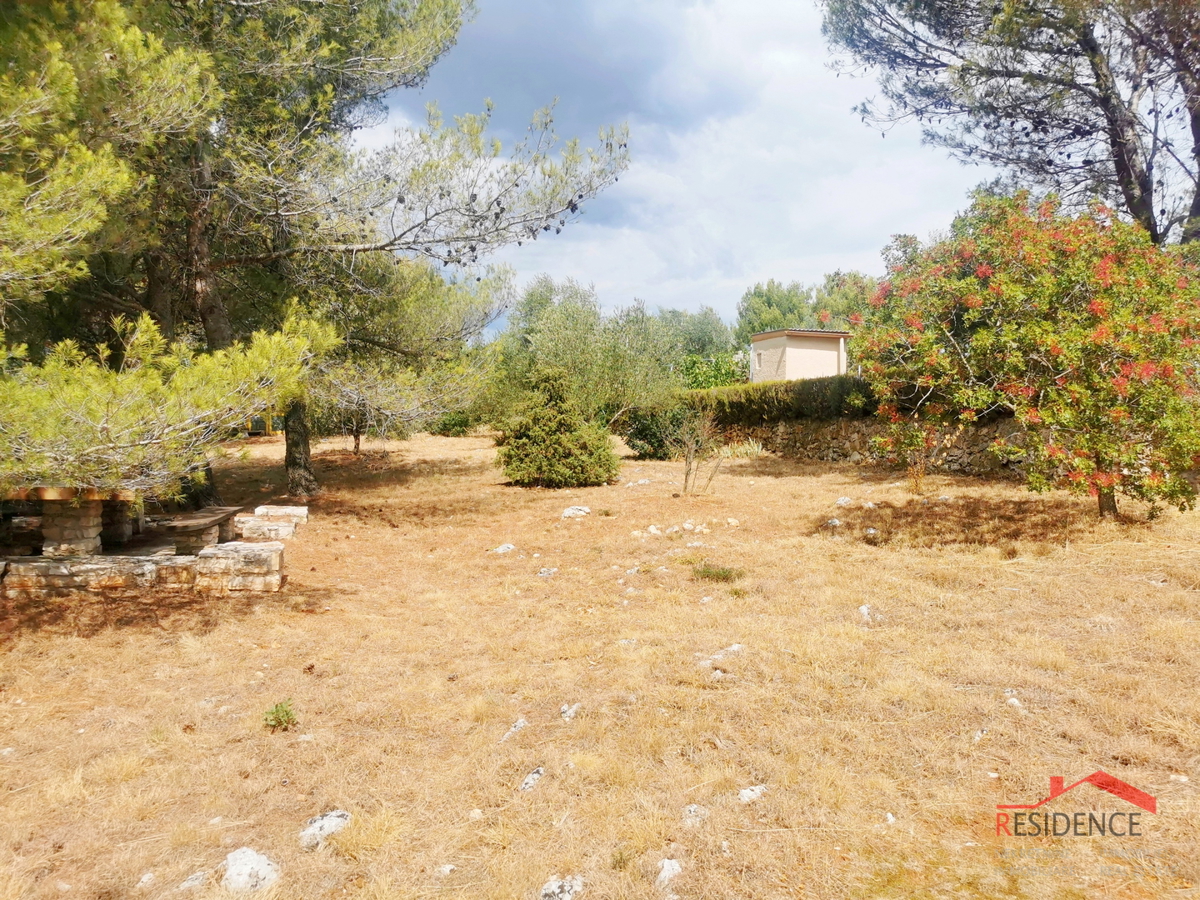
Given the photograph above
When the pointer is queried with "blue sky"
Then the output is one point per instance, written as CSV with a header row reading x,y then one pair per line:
x,y
747,160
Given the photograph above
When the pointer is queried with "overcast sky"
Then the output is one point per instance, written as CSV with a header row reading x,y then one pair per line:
x,y
747,160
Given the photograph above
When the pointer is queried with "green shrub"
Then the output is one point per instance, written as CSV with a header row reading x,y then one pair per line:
x,y
453,424
715,371
551,445
771,402
281,716
650,432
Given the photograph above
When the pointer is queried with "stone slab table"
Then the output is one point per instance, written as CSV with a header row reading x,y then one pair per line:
x,y
72,518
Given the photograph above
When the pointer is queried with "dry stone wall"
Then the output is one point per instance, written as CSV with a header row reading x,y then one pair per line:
x,y
255,563
849,440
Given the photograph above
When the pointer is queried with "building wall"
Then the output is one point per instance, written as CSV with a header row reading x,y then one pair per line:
x,y
789,357
768,359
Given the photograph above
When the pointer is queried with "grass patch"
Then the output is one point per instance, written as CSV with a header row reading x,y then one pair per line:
x,y
707,571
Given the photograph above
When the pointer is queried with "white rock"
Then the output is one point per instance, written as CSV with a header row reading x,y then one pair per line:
x,y
694,815
943,498
193,881
834,523
475,815
532,779
8,751
575,512
1013,702
216,820
868,505
654,529
865,612
643,481
146,880
752,793
516,726
979,735
562,888
1183,779
248,870
843,501
62,886
504,548
891,820
706,599
696,544
569,712
673,529
637,534
871,532
667,869
731,650
546,573
1010,692
305,737
320,827
632,571
732,523
688,526
447,869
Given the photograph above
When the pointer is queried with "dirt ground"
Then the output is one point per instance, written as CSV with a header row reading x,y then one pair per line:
x,y
889,689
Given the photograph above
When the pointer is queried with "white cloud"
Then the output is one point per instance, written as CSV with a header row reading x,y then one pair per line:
x,y
785,183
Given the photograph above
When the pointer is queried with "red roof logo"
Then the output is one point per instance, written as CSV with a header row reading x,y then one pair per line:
x,y
1102,780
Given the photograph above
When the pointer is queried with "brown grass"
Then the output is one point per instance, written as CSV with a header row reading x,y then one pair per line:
x,y
137,730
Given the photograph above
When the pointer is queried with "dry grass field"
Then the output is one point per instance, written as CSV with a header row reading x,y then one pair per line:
x,y
132,734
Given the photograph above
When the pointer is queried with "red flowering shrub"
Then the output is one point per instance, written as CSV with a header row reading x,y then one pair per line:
x,y
1078,326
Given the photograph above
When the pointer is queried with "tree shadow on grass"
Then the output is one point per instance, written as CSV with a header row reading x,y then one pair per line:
x,y
966,521
87,614
259,481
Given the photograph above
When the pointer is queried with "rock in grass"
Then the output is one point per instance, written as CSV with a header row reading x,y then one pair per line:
x,y
667,869
562,888
504,548
575,512
320,827
752,793
193,881
516,726
694,815
569,712
248,870
532,779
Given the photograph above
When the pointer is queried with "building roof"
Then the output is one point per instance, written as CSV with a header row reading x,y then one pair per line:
x,y
797,332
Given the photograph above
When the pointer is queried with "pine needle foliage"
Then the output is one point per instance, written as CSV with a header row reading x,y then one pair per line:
x,y
551,444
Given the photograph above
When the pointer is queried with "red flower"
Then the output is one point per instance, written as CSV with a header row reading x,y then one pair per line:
x,y
856,319
1097,308
983,270
824,316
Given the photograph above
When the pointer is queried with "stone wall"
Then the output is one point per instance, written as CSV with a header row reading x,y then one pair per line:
x,y
849,440
234,566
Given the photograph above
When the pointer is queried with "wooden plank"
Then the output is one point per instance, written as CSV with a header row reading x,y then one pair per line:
x,y
201,519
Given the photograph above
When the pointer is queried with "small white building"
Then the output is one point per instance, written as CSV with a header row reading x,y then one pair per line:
x,y
789,354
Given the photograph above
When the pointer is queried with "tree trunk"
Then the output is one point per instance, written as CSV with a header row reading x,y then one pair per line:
x,y
200,494
201,286
1108,502
297,458
357,441
1129,154
158,299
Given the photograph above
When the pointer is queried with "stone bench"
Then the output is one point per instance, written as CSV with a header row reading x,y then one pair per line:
x,y
204,528
271,523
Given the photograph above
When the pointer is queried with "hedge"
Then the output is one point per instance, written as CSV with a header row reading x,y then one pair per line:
x,y
771,402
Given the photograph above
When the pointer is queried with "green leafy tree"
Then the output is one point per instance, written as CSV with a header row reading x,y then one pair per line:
x,y
829,305
86,97
1083,97
1079,326
703,334
143,416
612,362
552,445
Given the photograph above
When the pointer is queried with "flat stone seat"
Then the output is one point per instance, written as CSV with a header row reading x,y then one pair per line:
x,y
204,528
